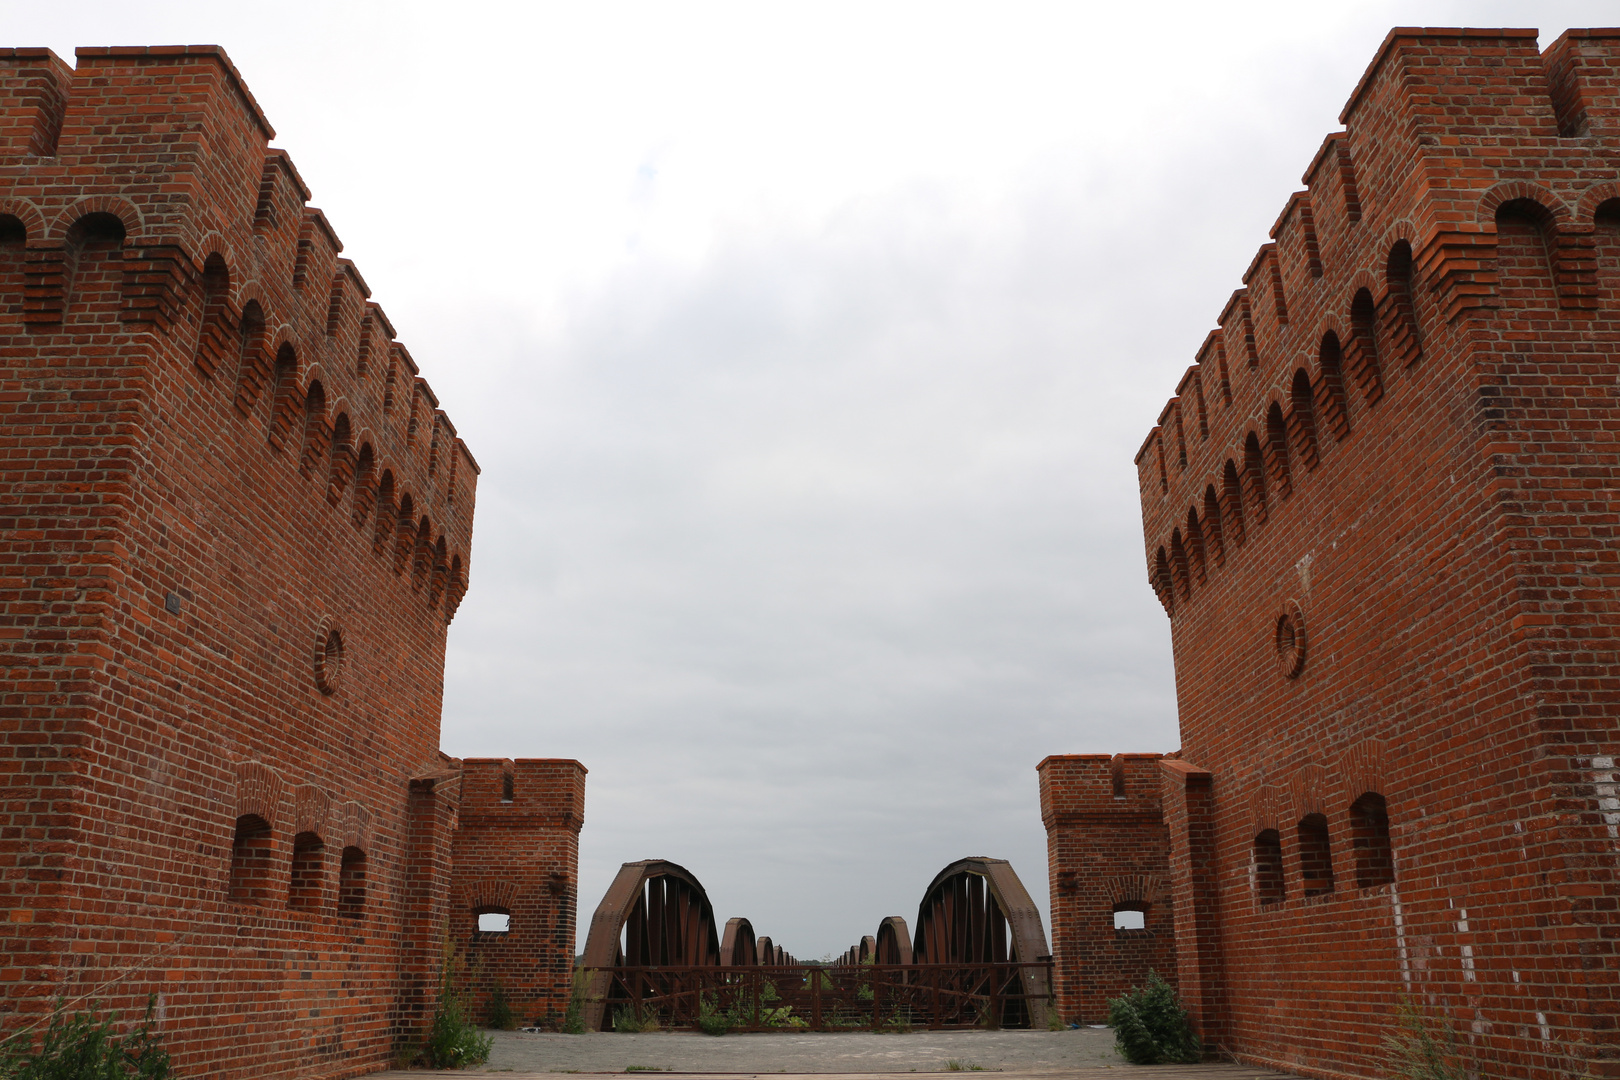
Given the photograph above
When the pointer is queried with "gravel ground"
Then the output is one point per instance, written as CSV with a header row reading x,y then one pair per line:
x,y
840,1052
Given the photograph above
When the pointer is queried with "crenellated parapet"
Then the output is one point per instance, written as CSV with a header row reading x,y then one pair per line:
x,y
1393,238
140,195
540,792
1086,789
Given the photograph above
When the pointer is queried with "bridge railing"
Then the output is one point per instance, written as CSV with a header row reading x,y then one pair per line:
x,y
808,997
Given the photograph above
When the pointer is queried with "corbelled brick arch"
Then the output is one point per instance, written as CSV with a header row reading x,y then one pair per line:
x,y
113,205
485,896
27,215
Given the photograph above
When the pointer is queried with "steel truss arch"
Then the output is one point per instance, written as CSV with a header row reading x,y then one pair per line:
x,y
976,911
664,918
893,941
738,946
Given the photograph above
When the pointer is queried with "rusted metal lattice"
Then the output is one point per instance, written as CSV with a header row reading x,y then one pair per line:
x,y
810,997
976,911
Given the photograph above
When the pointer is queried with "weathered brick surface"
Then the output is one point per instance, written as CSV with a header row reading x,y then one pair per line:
x,y
1382,513
233,529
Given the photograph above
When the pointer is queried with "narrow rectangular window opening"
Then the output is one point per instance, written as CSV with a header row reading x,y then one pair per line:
x,y
1369,832
1267,869
352,884
1315,855
1130,920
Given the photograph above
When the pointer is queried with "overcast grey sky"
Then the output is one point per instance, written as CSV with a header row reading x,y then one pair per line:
x,y
805,349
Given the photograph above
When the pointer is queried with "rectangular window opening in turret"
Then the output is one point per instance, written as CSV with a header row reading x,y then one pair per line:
x,y
1129,918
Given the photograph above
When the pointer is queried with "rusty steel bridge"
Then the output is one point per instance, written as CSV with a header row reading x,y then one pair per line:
x,y
654,955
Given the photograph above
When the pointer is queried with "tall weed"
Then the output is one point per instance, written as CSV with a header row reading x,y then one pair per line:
x,y
453,1041
574,1019
499,1014
1423,1047
86,1046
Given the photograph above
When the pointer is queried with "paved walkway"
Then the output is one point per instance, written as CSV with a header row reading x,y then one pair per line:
x,y
1018,1055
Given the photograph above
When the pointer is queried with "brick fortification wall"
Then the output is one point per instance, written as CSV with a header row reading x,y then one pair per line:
x,y
1106,850
517,854
234,527
1381,513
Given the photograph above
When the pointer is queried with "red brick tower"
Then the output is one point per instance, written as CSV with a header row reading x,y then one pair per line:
x,y
1107,852
1381,512
234,527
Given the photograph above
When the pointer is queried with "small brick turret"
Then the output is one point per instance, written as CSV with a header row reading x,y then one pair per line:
x,y
1107,852
517,855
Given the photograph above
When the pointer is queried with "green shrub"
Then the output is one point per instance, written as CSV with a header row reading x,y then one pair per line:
x,y
712,1020
85,1046
1415,1052
772,1013
1150,1026
452,1042
625,1022
499,1015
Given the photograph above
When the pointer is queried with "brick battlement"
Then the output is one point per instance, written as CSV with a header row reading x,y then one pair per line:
x,y
546,790
221,255
1084,785
1396,229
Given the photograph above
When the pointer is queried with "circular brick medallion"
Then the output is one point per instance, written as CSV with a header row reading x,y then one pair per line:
x,y
1290,640
328,657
